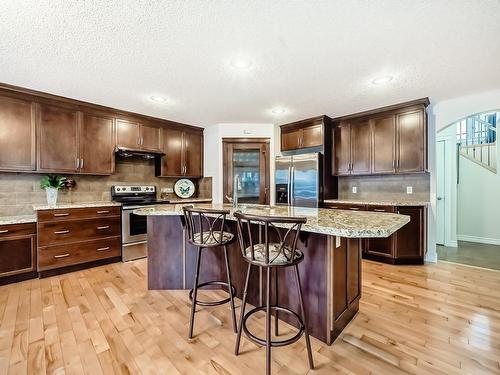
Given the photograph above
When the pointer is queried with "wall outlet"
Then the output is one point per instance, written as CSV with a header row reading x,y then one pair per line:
x,y
247,131
167,190
355,190
409,190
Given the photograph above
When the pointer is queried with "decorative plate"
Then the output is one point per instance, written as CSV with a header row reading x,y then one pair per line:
x,y
184,188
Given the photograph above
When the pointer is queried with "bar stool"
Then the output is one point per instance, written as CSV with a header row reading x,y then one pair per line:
x,y
271,255
205,228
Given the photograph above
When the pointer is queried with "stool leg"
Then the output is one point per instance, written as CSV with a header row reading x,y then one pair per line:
x,y
195,293
276,301
304,318
268,322
230,290
242,313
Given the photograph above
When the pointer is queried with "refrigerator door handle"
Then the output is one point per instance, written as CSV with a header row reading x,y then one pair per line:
x,y
292,184
289,187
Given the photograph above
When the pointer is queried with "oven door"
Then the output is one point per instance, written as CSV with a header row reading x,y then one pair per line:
x,y
134,227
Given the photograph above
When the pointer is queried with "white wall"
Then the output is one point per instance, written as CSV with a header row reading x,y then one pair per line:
x,y
213,151
474,208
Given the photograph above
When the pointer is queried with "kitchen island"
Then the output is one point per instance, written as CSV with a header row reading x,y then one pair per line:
x,y
330,272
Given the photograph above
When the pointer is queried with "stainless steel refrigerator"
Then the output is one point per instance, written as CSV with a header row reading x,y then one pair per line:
x,y
297,180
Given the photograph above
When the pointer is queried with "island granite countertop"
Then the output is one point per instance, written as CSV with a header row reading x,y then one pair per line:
x,y
333,222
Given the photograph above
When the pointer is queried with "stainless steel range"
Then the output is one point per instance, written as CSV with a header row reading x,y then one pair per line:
x,y
134,227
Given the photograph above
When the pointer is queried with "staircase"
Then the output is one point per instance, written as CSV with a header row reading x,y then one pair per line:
x,y
477,139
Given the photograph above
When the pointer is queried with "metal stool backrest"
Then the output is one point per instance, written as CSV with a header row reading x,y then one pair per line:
x,y
291,225
208,223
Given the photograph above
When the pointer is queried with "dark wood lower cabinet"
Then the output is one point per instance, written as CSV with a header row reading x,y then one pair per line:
x,y
17,252
76,237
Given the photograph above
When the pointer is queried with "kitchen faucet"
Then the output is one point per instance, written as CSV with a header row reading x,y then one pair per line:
x,y
236,188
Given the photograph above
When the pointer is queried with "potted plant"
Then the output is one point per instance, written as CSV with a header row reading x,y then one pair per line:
x,y
52,184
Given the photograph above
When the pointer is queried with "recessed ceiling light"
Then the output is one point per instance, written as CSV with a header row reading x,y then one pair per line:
x,y
382,80
158,99
278,111
241,64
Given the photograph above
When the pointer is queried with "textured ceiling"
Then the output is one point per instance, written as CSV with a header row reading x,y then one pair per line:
x,y
312,57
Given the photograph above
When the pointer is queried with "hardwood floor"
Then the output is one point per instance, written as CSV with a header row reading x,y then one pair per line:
x,y
432,319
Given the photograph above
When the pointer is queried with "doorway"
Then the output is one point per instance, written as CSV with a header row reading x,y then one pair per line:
x,y
440,191
248,158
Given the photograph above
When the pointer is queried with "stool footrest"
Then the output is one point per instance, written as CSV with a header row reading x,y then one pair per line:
x,y
212,303
273,343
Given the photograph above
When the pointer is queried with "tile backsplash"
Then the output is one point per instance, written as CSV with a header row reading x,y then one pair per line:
x,y
385,187
19,191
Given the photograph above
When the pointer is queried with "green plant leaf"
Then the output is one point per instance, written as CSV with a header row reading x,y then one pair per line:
x,y
53,181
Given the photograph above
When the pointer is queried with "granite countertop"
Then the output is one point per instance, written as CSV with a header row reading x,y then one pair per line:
x,y
18,219
40,207
378,202
353,224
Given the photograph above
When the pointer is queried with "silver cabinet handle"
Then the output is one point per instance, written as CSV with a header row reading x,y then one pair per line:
x,y
103,248
62,231
61,256
81,163
103,212
61,214
354,208
394,164
4,231
378,210
77,162
103,227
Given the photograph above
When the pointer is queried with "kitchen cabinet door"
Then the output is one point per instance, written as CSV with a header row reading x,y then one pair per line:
x,y
384,144
380,246
361,147
17,250
312,136
290,139
127,134
97,145
342,149
193,154
410,239
171,165
57,139
150,138
17,140
411,142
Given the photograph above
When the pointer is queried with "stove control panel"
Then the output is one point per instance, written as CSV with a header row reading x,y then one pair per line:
x,y
116,190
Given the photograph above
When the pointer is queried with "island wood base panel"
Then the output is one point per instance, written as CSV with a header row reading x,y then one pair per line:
x,y
330,273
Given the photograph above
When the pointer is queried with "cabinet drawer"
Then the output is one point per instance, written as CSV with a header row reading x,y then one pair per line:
x,y
377,208
54,233
67,255
12,230
345,206
77,213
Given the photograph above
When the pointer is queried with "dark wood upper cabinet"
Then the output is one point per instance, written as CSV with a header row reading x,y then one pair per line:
x,y
387,140
183,154
96,145
303,134
312,136
172,162
361,147
290,139
127,134
57,139
342,149
17,143
384,144
150,138
193,154
411,141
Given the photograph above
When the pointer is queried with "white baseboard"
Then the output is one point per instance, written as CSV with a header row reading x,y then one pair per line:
x,y
431,257
451,243
485,240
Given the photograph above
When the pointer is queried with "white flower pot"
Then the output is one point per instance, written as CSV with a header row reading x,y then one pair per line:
x,y
51,196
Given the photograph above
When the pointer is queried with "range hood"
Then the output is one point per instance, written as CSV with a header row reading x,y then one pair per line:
x,y
129,152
